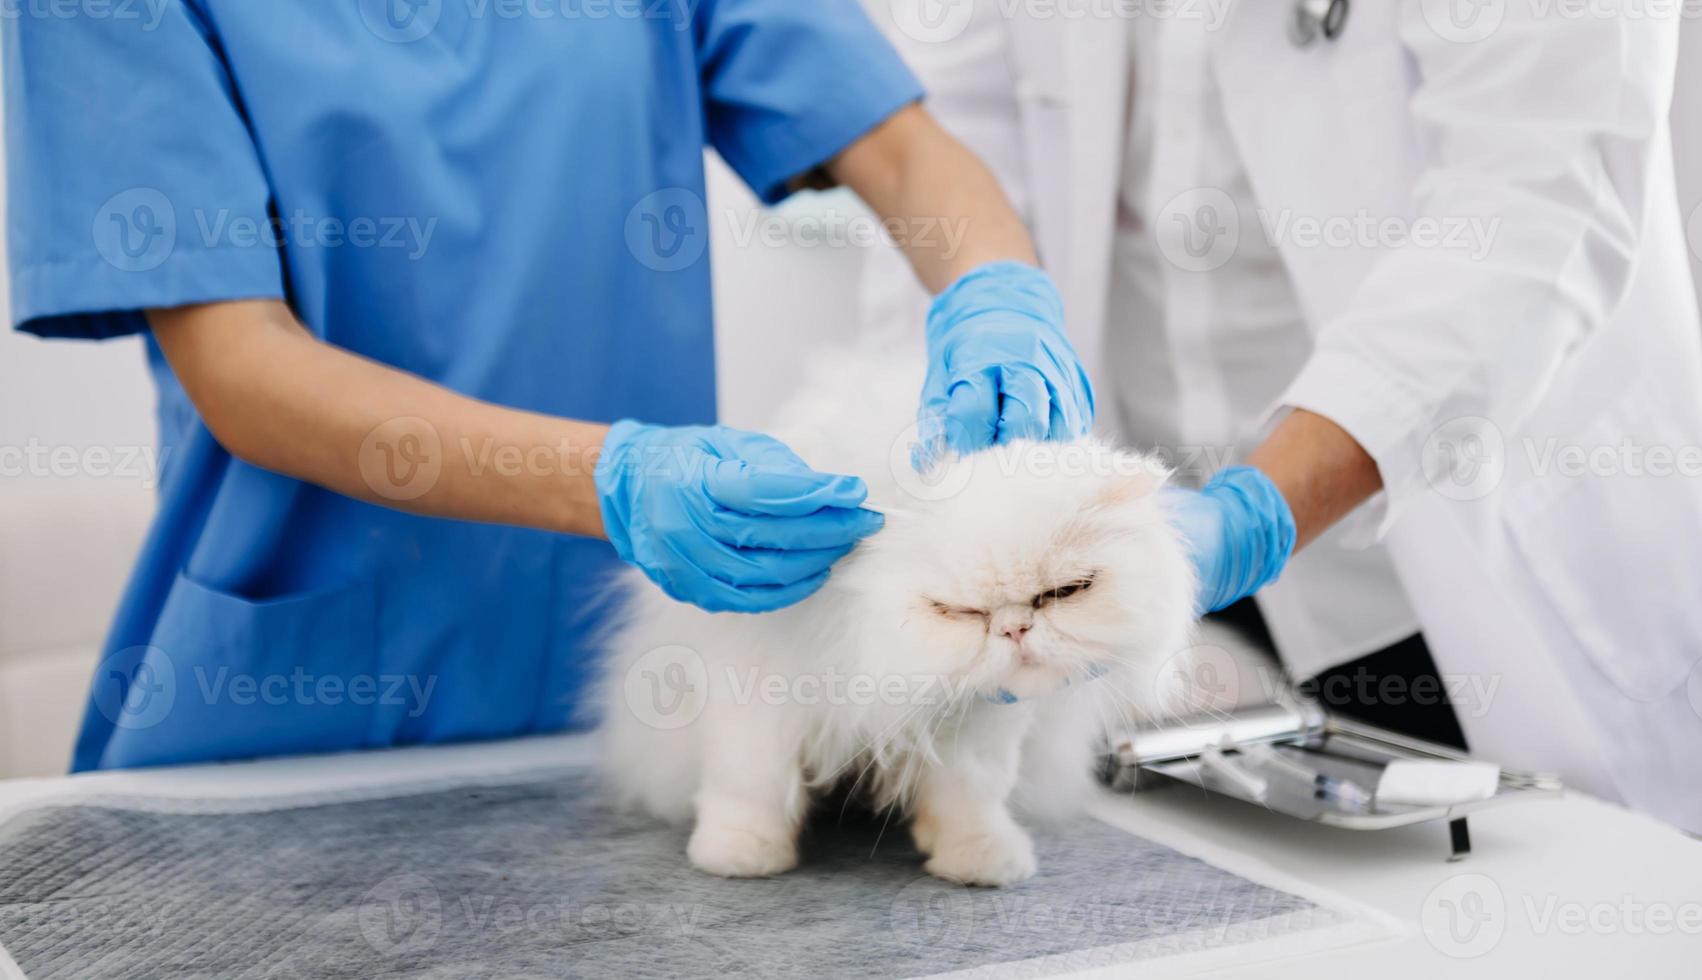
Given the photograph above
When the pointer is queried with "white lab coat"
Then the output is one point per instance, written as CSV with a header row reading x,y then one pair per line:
x,y
1576,600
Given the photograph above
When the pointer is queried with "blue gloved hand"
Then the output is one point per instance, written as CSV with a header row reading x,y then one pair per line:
x,y
1239,531
999,365
726,520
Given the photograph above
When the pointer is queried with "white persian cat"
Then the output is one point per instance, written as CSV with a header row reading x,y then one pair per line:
x,y
965,659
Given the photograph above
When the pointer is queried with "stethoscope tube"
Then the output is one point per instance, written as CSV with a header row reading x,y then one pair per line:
x,y
1315,17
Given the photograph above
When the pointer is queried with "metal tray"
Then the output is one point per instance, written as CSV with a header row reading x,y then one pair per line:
x,y
1337,747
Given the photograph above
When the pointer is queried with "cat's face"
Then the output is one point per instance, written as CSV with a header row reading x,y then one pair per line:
x,y
1047,565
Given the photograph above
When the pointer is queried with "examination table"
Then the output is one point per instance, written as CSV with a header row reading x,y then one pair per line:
x,y
1569,887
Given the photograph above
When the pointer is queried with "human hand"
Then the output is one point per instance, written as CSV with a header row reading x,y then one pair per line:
x,y
729,521
1239,531
999,365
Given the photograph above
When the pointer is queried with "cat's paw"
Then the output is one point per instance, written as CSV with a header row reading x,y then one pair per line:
x,y
994,858
924,830
741,852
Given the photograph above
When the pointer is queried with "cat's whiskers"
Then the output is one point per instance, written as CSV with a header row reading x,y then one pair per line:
x,y
876,845
897,791
874,751
922,753
874,757
915,763
1118,705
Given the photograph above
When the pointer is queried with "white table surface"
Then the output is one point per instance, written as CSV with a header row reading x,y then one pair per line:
x,y
1554,889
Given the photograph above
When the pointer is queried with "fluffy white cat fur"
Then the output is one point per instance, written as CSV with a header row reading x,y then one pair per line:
x,y
1045,571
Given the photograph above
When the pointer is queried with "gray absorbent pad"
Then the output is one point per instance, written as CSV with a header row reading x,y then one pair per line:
x,y
539,878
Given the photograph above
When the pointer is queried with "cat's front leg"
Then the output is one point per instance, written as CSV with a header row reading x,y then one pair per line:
x,y
963,820
751,795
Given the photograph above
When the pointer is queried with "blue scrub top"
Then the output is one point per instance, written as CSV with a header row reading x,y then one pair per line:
x,y
506,199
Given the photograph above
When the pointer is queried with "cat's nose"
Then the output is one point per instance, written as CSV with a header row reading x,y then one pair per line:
x,y
1016,631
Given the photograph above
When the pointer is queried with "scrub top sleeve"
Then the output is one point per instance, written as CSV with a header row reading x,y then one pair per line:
x,y
790,83
132,178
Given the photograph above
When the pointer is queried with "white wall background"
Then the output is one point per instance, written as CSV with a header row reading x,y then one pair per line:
x,y
774,306
66,541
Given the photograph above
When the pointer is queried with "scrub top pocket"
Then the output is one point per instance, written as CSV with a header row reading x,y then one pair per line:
x,y
294,674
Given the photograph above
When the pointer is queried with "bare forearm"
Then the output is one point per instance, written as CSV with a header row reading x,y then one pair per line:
x,y
1319,469
279,398
953,214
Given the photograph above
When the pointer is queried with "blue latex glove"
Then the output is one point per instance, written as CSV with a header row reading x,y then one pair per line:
x,y
1239,531
726,520
999,365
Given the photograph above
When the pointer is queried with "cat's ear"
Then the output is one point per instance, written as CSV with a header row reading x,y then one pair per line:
x,y
1136,477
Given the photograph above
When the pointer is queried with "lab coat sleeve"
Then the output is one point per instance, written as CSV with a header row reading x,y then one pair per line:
x,y
1544,132
788,84
123,142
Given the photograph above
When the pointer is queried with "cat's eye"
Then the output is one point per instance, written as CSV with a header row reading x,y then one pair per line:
x,y
956,612
1063,591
